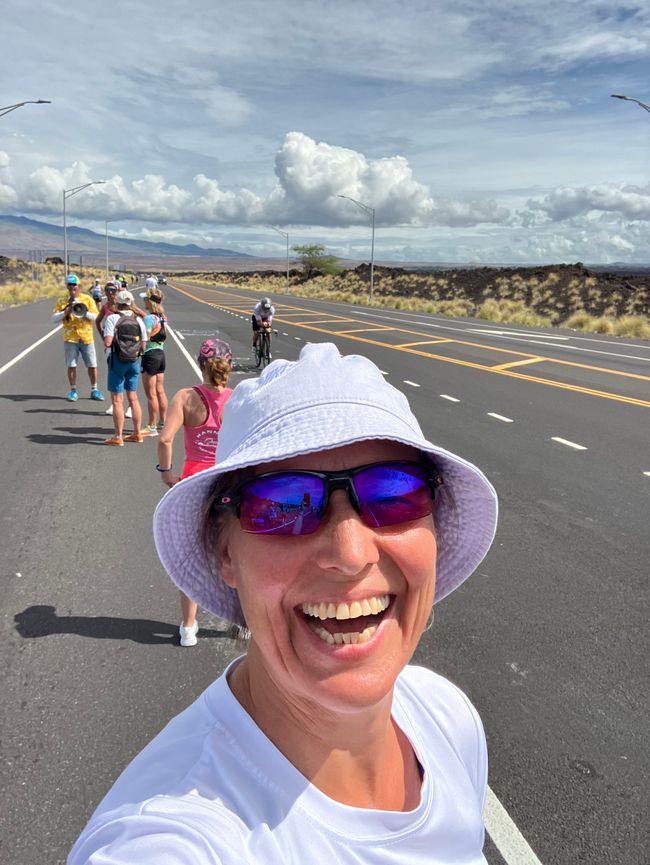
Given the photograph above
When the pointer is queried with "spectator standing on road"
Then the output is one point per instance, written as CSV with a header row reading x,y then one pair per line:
x,y
154,361
262,316
109,307
151,282
323,743
198,411
96,292
78,339
124,337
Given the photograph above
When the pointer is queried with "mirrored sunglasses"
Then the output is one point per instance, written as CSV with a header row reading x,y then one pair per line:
x,y
295,503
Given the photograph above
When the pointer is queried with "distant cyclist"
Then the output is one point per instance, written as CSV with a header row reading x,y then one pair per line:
x,y
96,292
262,317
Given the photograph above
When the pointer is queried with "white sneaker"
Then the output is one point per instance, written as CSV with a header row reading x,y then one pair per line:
x,y
188,635
128,412
109,410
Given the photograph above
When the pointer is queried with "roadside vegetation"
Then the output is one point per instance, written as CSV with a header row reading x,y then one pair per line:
x,y
568,296
22,282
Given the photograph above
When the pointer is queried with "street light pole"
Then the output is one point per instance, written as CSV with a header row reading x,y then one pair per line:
x,y
630,99
106,221
68,193
7,108
284,234
371,211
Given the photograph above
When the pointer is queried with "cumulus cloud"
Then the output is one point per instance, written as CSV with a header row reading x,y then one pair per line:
x,y
310,178
565,202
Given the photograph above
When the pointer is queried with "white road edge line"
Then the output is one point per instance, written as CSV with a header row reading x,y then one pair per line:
x,y
412,383
504,833
500,417
450,398
180,335
568,443
27,350
188,356
647,474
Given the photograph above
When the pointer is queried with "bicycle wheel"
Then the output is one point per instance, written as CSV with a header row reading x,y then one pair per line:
x,y
258,351
266,349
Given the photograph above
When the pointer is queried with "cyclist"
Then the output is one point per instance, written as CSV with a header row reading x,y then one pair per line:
x,y
263,313
96,292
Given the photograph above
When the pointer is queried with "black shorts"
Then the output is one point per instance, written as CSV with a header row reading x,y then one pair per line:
x,y
256,324
153,361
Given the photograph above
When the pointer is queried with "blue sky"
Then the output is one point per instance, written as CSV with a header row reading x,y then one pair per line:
x,y
479,131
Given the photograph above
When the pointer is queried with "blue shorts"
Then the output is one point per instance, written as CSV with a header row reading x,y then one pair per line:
x,y
123,376
74,349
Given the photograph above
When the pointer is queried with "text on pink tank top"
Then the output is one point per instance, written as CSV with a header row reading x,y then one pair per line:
x,y
201,441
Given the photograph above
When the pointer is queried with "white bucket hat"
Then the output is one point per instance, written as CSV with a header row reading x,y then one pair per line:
x,y
319,402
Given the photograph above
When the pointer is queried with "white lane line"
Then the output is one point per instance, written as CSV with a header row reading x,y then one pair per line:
x,y
500,417
297,337
284,334
568,443
647,474
188,356
383,372
450,398
27,350
508,839
180,335
412,383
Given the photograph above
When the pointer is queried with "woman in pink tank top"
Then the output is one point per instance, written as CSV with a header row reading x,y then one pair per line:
x,y
198,411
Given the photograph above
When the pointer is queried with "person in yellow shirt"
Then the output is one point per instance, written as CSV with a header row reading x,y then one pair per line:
x,y
78,338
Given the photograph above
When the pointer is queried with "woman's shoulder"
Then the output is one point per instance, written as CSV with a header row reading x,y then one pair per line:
x,y
433,698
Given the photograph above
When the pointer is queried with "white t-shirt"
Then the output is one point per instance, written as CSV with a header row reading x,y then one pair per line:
x,y
151,282
211,789
111,320
263,314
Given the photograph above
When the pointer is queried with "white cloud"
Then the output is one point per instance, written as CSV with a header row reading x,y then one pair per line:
x,y
310,177
5,160
632,202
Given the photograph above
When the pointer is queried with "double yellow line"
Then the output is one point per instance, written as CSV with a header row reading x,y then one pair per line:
x,y
505,369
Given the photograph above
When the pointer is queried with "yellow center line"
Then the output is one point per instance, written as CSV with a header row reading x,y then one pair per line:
x,y
498,370
470,364
518,363
370,329
424,342
321,321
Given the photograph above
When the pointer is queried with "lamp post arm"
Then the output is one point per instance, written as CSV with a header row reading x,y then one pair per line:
x,y
7,108
630,99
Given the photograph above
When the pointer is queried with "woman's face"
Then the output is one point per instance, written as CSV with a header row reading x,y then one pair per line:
x,y
286,584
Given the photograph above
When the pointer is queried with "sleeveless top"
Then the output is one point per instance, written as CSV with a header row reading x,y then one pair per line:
x,y
201,441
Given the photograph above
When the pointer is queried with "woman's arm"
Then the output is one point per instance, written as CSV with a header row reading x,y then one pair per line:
x,y
173,422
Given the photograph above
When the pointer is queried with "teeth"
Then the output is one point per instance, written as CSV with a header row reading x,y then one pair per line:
x,y
342,611
347,639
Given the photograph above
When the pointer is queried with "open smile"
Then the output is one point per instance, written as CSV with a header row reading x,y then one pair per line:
x,y
343,623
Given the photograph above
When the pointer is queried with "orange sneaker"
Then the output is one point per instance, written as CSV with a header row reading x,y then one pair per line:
x,y
114,441
139,438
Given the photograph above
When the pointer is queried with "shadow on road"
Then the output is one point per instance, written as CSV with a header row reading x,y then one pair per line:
x,y
22,397
44,439
41,620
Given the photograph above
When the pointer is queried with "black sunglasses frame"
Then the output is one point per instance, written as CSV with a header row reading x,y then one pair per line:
x,y
336,480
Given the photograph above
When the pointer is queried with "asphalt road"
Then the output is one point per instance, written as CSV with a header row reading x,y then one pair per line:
x,y
549,638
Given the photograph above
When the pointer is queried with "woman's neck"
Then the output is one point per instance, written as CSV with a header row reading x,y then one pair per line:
x,y
218,387
359,758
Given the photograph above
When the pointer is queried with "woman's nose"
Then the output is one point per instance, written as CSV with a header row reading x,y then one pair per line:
x,y
344,542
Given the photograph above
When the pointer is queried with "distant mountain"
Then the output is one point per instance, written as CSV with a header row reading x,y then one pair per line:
x,y
22,237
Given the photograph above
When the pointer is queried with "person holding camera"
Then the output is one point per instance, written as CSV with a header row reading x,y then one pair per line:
x,y
77,312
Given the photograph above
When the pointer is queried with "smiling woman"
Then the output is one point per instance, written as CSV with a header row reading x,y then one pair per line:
x,y
326,531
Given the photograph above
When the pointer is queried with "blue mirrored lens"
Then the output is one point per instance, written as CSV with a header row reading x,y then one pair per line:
x,y
390,494
283,504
